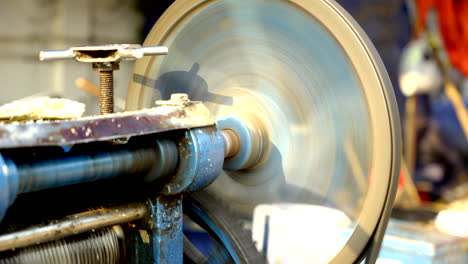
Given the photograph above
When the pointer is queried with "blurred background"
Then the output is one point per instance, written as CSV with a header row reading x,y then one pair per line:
x,y
423,44
27,27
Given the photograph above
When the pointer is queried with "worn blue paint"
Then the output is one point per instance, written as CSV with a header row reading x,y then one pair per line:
x,y
167,235
200,161
201,157
210,156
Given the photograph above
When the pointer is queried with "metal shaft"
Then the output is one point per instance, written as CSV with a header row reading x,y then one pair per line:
x,y
99,246
106,96
231,143
76,224
151,163
84,168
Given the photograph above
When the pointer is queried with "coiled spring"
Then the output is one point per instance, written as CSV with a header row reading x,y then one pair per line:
x,y
101,246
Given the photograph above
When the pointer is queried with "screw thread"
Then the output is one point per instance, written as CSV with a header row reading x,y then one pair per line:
x,y
106,97
100,246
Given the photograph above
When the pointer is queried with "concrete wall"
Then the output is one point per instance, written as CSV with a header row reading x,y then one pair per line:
x,y
29,26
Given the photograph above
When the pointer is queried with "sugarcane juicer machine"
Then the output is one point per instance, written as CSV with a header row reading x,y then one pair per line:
x,y
245,102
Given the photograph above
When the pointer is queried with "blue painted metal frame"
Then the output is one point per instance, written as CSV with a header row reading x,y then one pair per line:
x,y
201,156
200,161
166,227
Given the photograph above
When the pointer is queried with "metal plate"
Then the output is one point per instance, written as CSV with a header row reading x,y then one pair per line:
x,y
105,127
309,73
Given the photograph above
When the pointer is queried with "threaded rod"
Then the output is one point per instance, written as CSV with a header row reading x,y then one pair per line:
x,y
99,246
106,96
75,224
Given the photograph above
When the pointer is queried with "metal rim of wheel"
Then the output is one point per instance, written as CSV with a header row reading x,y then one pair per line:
x,y
221,224
365,106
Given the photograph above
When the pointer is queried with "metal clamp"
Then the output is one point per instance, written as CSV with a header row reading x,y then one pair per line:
x,y
105,53
105,60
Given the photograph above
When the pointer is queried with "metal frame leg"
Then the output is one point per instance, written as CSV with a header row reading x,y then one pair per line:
x,y
166,227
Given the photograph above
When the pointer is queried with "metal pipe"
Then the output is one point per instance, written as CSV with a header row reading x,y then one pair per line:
x,y
150,51
23,178
76,224
85,168
56,55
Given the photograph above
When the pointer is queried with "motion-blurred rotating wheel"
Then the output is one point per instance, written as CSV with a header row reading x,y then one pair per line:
x,y
230,243
306,74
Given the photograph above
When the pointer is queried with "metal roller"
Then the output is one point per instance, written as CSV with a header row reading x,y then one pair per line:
x,y
308,80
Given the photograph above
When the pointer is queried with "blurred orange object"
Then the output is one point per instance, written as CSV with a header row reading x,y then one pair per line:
x,y
453,24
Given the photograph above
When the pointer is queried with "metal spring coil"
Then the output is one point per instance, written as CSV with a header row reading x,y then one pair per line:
x,y
101,246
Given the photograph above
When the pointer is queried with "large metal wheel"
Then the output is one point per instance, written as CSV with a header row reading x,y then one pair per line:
x,y
308,73
233,242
